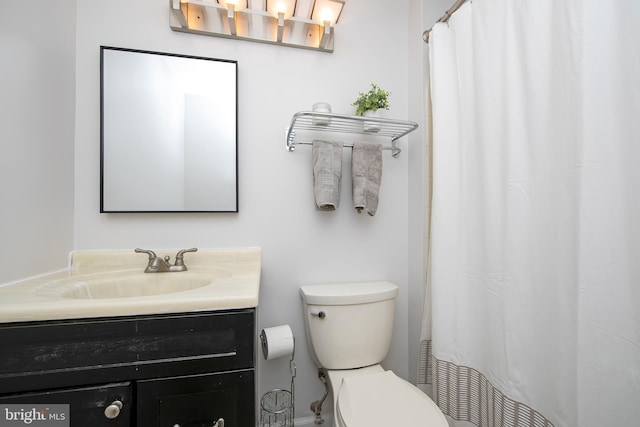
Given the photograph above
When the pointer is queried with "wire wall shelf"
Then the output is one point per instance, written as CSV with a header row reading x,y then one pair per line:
x,y
342,123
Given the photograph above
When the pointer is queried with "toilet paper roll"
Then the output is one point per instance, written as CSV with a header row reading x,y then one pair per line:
x,y
277,342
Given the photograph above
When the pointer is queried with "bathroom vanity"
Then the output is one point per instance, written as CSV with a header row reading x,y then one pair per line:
x,y
187,369
159,364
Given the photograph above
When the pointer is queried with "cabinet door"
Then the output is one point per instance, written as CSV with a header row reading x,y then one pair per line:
x,y
197,400
87,405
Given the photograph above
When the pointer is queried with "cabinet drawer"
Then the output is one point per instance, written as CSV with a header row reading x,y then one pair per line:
x,y
43,355
197,400
86,404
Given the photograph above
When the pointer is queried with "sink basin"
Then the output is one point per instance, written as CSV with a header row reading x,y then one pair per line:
x,y
113,283
131,286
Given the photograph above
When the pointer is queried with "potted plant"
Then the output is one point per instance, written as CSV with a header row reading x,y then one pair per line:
x,y
368,104
373,100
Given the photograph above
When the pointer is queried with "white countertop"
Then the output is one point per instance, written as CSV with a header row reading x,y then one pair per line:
x,y
234,283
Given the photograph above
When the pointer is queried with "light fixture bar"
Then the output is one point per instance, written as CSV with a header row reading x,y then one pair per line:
x,y
180,12
278,25
231,17
326,34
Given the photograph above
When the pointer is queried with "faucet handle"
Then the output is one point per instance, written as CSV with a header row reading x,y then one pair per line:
x,y
151,254
180,255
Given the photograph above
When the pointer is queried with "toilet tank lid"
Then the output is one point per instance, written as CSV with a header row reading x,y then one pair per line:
x,y
348,293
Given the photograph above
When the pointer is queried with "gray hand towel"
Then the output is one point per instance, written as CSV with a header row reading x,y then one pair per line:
x,y
366,171
327,172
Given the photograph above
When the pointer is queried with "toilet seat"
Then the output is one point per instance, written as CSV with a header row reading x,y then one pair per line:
x,y
385,399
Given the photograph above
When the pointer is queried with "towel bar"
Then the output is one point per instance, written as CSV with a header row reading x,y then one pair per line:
x,y
332,122
392,147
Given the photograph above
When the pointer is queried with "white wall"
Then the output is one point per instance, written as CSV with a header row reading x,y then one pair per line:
x,y
37,84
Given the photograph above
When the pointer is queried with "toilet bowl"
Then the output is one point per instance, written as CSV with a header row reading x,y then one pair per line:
x,y
349,329
372,396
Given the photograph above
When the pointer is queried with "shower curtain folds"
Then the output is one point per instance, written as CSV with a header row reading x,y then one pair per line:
x,y
532,310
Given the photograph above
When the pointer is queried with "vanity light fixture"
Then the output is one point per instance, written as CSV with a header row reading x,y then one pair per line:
x,y
237,4
285,7
232,6
327,11
269,21
281,9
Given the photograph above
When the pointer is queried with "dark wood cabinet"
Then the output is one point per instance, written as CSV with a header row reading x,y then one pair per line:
x,y
196,401
186,369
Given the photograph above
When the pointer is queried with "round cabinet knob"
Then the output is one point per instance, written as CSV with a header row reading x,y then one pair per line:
x,y
112,411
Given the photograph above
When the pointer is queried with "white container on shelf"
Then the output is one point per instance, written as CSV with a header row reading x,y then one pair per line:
x,y
321,107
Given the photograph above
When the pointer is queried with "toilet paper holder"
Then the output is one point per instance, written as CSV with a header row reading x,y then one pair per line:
x,y
277,406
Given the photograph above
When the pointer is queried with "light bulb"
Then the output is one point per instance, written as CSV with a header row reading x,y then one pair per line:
x,y
326,15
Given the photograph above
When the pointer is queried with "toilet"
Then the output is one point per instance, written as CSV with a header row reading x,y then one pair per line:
x,y
348,329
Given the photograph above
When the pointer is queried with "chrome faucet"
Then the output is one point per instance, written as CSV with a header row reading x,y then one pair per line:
x,y
159,265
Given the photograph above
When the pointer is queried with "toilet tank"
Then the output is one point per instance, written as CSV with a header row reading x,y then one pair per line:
x,y
349,325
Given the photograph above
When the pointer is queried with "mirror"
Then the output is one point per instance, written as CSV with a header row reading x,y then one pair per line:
x,y
168,132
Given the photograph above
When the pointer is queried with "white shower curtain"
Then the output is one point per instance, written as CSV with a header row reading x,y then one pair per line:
x,y
532,315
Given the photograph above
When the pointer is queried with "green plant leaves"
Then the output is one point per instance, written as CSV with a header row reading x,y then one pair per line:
x,y
376,98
